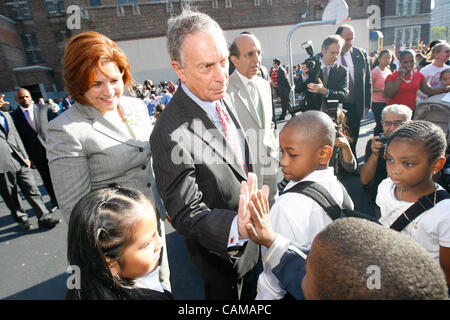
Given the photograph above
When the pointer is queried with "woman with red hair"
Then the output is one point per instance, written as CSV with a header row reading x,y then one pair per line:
x,y
104,137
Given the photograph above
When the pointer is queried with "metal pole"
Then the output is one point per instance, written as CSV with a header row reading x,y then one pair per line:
x,y
289,48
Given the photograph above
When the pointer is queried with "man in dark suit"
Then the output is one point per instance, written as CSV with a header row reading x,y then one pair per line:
x,y
14,172
31,121
360,85
283,89
332,83
200,158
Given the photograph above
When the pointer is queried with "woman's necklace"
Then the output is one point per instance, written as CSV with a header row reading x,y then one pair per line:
x,y
416,223
410,80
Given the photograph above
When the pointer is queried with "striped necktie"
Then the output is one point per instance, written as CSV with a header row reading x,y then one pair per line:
x,y
231,135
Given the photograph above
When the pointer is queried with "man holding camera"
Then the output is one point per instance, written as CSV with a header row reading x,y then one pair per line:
x,y
373,170
332,83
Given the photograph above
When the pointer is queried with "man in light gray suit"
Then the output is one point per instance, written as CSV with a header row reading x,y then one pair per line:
x,y
252,100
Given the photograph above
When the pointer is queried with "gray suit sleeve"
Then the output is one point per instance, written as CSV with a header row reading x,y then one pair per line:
x,y
69,167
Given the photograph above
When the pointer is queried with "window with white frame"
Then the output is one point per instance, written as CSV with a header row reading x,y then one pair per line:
x,y
407,7
407,36
17,9
31,47
228,4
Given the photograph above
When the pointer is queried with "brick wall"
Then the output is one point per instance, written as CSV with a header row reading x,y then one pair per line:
x,y
152,21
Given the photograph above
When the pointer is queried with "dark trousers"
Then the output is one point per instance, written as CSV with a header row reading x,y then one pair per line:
x,y
377,108
220,277
23,178
285,105
353,122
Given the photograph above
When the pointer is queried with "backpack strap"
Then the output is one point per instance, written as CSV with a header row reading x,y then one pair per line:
x,y
420,206
320,195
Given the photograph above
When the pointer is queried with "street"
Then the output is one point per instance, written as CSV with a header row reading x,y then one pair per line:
x,y
34,263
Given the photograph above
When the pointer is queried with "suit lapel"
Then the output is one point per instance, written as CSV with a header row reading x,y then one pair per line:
x,y
105,127
356,57
246,100
219,146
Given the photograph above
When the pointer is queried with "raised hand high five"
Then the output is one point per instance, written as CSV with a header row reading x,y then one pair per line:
x,y
260,230
248,188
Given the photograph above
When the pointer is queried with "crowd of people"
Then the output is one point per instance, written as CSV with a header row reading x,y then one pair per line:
x,y
209,165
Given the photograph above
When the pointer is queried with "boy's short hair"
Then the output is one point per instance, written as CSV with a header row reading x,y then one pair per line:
x,y
317,126
356,247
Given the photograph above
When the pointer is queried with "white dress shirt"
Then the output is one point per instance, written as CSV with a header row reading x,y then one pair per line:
x,y
349,61
299,218
433,225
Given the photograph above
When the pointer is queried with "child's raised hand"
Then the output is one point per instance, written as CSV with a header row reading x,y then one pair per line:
x,y
260,230
248,188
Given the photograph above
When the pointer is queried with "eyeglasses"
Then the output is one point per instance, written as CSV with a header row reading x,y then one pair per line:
x,y
251,54
395,123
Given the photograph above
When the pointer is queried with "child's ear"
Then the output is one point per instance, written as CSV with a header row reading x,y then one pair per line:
x,y
325,155
437,165
113,266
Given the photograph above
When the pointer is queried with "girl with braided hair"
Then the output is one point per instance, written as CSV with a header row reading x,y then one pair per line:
x,y
414,153
113,239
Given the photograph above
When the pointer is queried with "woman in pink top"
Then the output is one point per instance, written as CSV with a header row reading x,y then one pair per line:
x,y
401,86
380,71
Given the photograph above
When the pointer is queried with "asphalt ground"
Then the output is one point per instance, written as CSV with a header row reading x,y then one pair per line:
x,y
33,264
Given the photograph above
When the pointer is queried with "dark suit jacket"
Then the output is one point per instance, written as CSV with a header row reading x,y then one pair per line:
x,y
362,83
337,85
198,178
284,88
32,140
11,140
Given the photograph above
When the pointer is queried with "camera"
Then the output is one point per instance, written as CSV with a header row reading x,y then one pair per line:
x,y
312,63
314,67
382,138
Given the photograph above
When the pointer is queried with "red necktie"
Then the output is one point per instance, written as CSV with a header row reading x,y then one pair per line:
x,y
231,135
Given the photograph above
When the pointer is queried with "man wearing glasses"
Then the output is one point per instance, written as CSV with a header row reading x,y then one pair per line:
x,y
252,100
373,170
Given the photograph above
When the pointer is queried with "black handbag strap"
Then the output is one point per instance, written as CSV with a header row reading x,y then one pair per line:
x,y
320,195
420,206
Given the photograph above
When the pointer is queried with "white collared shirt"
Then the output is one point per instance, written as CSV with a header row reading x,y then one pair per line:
x,y
245,81
30,110
433,225
298,218
349,61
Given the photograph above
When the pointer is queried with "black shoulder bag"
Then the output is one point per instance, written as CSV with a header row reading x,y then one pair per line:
x,y
420,206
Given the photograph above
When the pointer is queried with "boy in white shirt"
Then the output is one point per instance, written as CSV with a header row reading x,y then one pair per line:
x,y
306,143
